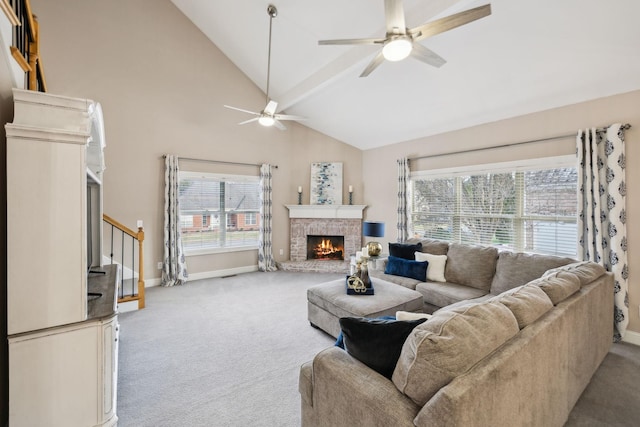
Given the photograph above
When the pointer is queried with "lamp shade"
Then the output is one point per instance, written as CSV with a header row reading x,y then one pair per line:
x,y
373,229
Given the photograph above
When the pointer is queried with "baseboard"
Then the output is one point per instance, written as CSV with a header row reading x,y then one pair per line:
x,y
223,273
124,307
149,283
631,337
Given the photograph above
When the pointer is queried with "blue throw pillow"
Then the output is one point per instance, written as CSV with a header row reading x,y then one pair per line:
x,y
403,250
376,342
407,268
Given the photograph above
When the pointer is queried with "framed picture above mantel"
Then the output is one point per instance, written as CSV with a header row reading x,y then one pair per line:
x,y
326,183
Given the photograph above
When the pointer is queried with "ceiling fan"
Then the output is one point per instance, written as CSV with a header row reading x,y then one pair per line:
x,y
401,41
268,116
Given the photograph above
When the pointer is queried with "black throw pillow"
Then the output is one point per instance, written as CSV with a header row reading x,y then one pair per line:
x,y
376,342
403,250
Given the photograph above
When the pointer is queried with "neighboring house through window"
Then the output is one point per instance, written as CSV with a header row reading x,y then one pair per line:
x,y
218,212
527,206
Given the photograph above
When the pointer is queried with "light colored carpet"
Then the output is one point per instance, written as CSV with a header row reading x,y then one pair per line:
x,y
227,352
218,352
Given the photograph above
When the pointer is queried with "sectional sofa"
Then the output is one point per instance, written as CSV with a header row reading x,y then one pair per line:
x,y
469,272
518,357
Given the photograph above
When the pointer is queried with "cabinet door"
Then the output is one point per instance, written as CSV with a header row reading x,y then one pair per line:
x,y
53,377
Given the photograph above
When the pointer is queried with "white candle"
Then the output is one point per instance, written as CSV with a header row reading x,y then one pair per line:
x,y
299,189
139,223
351,189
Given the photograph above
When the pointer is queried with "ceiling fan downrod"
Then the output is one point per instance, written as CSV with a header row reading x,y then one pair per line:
x,y
273,12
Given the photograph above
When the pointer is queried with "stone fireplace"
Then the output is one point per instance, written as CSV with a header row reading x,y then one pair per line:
x,y
307,221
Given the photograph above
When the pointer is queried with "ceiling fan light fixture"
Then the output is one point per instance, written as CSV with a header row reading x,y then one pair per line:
x,y
266,121
397,49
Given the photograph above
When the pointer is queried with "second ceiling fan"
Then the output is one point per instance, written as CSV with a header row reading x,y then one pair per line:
x,y
400,41
268,116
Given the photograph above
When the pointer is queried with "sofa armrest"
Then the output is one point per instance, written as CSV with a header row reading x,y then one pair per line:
x,y
305,383
345,392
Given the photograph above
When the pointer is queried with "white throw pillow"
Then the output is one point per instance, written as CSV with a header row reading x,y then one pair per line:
x,y
435,269
408,315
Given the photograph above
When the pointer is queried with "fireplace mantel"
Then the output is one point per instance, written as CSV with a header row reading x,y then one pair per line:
x,y
326,211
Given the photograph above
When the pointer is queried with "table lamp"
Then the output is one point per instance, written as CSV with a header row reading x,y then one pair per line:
x,y
373,229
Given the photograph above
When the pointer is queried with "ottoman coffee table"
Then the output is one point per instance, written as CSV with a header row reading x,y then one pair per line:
x,y
328,302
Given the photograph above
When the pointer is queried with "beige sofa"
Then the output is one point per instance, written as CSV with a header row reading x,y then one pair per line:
x,y
519,358
471,272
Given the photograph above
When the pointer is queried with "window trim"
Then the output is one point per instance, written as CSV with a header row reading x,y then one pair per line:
x,y
555,162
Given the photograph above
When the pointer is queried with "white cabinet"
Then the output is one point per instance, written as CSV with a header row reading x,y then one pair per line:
x,y
46,211
63,346
64,376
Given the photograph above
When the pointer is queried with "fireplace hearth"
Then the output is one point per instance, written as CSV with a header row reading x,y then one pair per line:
x,y
325,248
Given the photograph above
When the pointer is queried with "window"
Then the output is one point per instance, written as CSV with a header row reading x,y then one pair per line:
x,y
530,208
218,212
251,218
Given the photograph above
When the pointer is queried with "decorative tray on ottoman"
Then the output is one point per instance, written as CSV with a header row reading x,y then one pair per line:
x,y
355,286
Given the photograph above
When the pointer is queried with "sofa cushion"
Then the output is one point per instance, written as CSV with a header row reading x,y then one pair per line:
x,y
405,282
559,285
471,265
514,269
406,268
448,345
587,271
527,303
435,269
376,342
431,246
406,251
443,294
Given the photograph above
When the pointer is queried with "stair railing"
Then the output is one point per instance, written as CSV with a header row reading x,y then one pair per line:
x,y
25,47
129,289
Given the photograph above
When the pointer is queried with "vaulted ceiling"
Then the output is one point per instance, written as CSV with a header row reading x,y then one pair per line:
x,y
527,56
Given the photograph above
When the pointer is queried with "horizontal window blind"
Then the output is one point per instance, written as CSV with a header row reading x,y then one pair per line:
x,y
218,211
523,210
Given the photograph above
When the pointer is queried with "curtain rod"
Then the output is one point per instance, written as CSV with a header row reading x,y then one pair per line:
x,y
552,138
191,159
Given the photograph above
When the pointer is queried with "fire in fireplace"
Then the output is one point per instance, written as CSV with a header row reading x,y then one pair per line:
x,y
325,247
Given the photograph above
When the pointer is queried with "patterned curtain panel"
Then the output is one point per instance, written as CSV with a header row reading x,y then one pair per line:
x,y
403,200
265,250
602,230
174,267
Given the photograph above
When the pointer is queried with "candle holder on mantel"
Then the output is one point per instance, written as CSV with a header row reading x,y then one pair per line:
x,y
299,197
351,197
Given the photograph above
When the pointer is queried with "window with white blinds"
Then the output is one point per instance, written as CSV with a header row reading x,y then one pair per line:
x,y
218,212
530,208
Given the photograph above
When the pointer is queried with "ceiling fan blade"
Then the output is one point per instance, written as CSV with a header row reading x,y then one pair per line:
x,y
450,22
244,111
288,117
379,59
423,54
394,16
279,125
271,107
351,41
249,121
